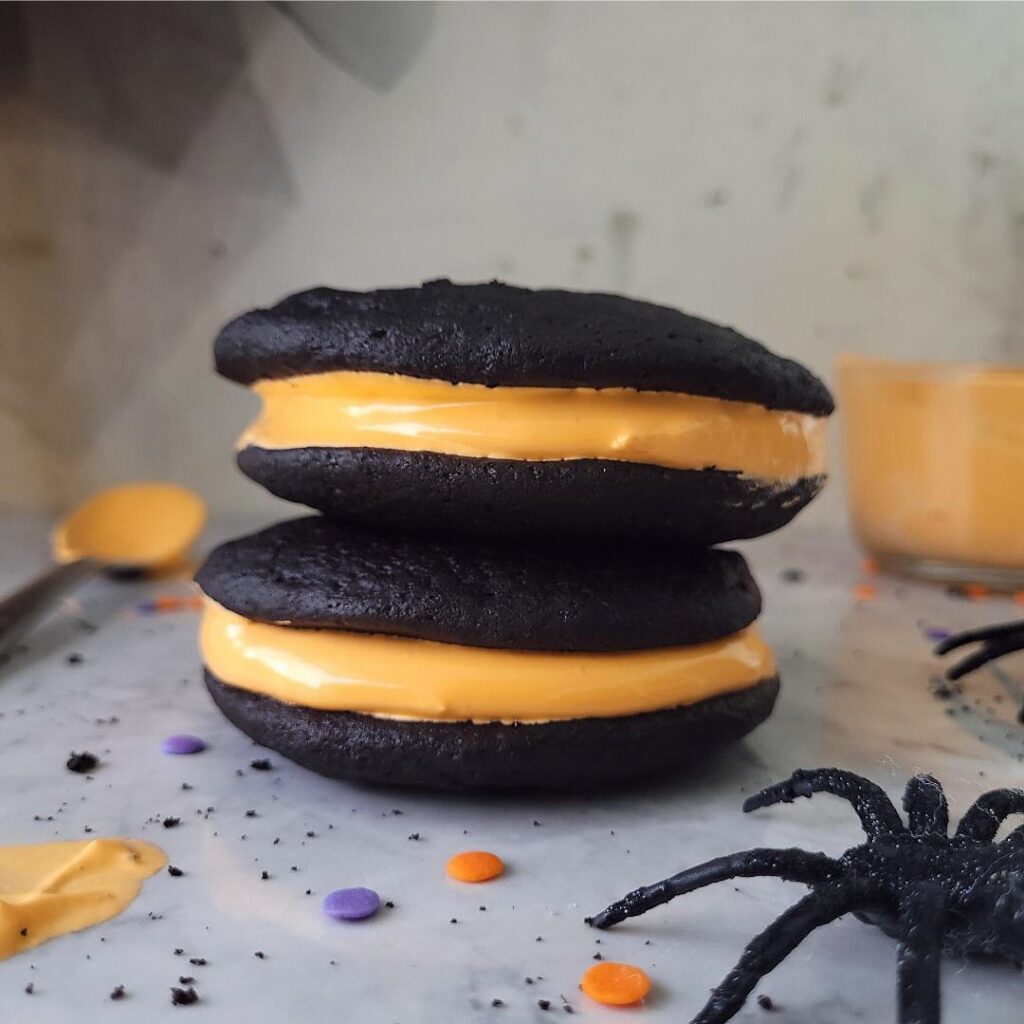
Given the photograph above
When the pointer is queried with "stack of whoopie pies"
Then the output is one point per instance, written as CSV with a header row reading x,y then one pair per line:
x,y
513,581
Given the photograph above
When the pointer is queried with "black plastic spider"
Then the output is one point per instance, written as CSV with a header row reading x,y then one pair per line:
x,y
963,894
996,641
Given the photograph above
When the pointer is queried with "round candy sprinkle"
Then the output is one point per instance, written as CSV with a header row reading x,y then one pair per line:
x,y
182,744
351,904
475,866
615,984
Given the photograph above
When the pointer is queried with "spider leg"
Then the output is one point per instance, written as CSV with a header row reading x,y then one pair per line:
x,y
989,652
920,953
985,633
775,943
926,807
791,865
988,812
875,810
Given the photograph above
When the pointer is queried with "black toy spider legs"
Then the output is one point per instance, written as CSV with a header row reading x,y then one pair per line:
x,y
921,913
988,812
875,810
791,865
995,641
926,807
775,943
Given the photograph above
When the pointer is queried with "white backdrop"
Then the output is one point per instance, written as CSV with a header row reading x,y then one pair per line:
x,y
825,177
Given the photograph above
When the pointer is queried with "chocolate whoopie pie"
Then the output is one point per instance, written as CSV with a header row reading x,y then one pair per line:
x,y
506,412
473,664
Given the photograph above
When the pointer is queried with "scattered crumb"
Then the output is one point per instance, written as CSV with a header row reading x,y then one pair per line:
x,y
118,992
74,658
793,575
765,1002
184,996
497,1002
198,961
250,814
172,822
544,1004
260,954
261,764
264,875
174,872
30,988
415,836
83,762
186,979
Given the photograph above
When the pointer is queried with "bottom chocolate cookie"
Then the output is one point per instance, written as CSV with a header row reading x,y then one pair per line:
x,y
575,754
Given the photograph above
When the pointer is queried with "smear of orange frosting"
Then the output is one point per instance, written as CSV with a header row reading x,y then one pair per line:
x,y
50,889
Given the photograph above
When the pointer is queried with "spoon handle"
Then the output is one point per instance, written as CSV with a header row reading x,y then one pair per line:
x,y
20,611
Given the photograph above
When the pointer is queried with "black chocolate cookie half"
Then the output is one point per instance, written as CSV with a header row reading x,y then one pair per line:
x,y
575,754
467,664
319,573
502,411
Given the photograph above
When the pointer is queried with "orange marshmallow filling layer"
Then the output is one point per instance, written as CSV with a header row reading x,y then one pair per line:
x,y
403,677
354,409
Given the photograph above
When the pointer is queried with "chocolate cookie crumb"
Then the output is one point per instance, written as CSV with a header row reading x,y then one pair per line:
x,y
74,658
30,988
544,1004
186,979
765,1002
172,822
198,961
118,992
184,996
261,764
83,762
174,872
259,953
497,1002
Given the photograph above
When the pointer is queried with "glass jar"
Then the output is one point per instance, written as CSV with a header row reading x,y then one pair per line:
x,y
935,467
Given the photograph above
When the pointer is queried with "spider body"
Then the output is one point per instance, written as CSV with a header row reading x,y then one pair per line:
x,y
931,891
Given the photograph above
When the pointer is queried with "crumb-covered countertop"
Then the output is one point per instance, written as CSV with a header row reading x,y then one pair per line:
x,y
259,842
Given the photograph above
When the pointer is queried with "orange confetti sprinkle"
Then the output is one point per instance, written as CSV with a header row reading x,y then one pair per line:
x,y
195,604
1019,597
168,603
475,866
869,567
615,984
865,592
976,591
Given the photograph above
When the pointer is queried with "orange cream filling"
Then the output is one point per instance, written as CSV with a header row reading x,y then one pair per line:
x,y
351,409
49,889
402,677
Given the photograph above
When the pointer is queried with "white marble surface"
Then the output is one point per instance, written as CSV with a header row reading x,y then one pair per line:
x,y
855,694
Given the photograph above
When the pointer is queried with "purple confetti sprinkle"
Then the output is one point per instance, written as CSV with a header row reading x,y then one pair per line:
x,y
182,744
937,634
351,904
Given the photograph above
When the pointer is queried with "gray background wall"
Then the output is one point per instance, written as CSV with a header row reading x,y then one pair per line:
x,y
826,177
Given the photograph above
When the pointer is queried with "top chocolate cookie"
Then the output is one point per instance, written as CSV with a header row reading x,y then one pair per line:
x,y
496,334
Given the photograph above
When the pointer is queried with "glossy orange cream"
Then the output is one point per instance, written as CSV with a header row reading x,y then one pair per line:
x,y
935,460
149,525
402,677
49,889
347,409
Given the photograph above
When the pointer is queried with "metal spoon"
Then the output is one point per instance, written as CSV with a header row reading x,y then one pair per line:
x,y
124,531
